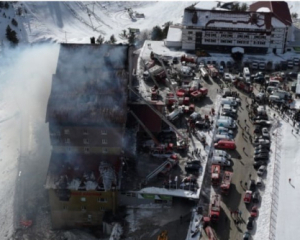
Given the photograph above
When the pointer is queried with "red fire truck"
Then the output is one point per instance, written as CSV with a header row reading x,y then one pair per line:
x,y
241,84
226,181
215,208
215,174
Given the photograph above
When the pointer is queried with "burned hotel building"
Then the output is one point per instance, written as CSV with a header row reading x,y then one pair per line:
x,y
87,113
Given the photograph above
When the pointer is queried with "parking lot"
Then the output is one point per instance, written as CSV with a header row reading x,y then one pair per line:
x,y
249,86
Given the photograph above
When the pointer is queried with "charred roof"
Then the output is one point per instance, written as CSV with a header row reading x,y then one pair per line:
x,y
83,172
90,85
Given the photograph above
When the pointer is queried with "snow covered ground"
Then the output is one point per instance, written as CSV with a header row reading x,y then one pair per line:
x,y
287,219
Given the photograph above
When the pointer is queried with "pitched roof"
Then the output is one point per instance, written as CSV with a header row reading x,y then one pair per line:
x,y
279,9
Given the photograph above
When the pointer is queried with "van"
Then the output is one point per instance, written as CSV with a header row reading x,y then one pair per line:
x,y
271,89
175,114
228,108
224,129
274,83
282,94
225,144
275,98
219,137
222,153
228,123
246,74
230,102
220,161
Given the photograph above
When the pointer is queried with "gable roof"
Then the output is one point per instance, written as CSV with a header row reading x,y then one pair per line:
x,y
279,9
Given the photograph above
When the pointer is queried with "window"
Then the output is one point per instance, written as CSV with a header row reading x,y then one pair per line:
x,y
104,150
82,199
104,132
83,208
101,200
67,140
190,38
85,132
65,207
104,141
190,32
67,131
213,35
86,141
86,150
102,209
69,149
213,40
229,41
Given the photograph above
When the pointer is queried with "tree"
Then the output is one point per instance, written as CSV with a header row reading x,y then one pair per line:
x,y
157,33
14,22
6,5
244,7
235,7
294,15
11,35
112,39
166,29
1,4
131,38
100,39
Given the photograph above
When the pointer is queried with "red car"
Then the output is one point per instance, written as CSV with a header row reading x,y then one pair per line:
x,y
248,197
254,212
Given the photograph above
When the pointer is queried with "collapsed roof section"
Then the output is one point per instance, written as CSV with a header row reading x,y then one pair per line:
x,y
83,172
90,85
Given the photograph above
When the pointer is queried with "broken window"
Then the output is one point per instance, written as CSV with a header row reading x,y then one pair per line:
x,y
104,132
104,141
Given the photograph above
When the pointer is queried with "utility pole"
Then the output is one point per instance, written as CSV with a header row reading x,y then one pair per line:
x,y
66,36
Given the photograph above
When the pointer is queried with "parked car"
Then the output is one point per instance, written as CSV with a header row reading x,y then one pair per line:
x,y
255,197
254,212
261,171
257,164
261,141
227,77
192,166
261,157
260,151
290,64
248,197
228,114
260,117
246,236
262,123
257,129
265,133
175,60
250,223
259,181
292,75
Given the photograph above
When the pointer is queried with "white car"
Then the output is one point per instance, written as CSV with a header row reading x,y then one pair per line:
x,y
265,133
224,129
227,77
261,141
261,171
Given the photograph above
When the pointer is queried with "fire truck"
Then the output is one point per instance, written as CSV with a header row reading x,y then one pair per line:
x,y
215,174
215,208
212,71
243,85
226,181
185,58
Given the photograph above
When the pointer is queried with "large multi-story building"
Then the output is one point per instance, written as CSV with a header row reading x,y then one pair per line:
x,y
265,28
87,112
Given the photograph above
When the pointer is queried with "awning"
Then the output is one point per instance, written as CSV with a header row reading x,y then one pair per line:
x,y
237,49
